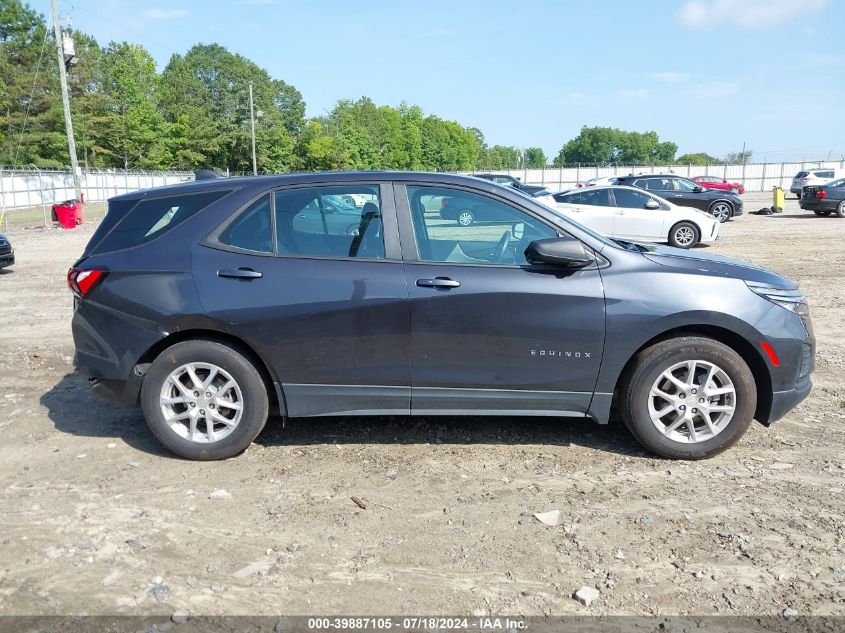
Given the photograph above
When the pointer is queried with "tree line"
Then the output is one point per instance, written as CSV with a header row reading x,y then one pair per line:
x,y
195,113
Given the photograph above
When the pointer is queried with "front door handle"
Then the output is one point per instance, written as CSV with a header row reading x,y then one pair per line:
x,y
620,213
240,273
440,283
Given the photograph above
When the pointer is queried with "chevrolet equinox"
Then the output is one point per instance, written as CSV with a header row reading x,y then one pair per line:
x,y
216,302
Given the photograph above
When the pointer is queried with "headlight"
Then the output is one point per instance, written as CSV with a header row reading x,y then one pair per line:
x,y
793,300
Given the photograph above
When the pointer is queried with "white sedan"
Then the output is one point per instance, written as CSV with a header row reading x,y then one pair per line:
x,y
633,214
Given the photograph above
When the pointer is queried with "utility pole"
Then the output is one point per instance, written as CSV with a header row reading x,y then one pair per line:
x,y
71,144
252,127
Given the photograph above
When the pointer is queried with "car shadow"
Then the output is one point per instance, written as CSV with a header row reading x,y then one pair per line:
x,y
75,410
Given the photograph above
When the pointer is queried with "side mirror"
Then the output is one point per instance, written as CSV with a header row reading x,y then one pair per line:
x,y
652,204
558,251
697,189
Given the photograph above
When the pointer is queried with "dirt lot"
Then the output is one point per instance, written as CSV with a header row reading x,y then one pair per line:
x,y
96,518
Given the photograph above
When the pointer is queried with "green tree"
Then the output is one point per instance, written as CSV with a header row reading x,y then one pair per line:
x,y
535,158
138,135
204,96
611,146
739,158
698,158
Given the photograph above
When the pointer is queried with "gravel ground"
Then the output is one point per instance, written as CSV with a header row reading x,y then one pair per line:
x,y
96,518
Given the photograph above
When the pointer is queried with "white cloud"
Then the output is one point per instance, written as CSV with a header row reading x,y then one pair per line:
x,y
165,14
669,77
717,90
634,93
745,14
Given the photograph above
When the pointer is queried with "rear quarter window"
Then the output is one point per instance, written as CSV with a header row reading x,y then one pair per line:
x,y
151,218
823,174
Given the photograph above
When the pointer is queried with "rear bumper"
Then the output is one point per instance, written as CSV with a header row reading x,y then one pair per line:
x,y
784,401
814,204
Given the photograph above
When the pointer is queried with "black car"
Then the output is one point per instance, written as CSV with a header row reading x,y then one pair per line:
x,y
213,304
467,210
516,183
7,253
724,205
824,199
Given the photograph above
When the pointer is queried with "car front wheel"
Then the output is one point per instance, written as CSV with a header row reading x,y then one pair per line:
x,y
688,398
722,211
684,235
204,400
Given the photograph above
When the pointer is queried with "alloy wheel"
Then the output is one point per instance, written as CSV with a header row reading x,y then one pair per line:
x,y
684,236
721,212
692,401
201,402
465,218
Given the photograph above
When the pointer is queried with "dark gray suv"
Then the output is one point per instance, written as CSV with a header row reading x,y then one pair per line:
x,y
217,302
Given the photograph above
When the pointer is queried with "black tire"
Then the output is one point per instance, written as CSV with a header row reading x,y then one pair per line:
x,y
255,403
840,210
635,389
465,217
722,210
679,235
823,214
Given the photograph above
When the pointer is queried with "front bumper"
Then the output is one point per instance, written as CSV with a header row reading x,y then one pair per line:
x,y
125,392
7,259
738,208
784,401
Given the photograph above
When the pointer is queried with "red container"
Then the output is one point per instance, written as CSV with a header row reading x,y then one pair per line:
x,y
68,213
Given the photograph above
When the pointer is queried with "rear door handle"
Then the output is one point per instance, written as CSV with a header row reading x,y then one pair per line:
x,y
240,273
438,282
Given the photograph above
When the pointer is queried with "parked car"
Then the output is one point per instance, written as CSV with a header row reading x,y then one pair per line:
x,y
597,182
714,182
811,177
511,181
211,304
7,253
632,214
724,205
825,199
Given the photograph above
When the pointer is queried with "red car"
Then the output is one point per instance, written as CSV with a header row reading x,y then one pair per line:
x,y
714,182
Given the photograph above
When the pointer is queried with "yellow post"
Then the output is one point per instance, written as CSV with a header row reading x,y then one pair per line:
x,y
777,200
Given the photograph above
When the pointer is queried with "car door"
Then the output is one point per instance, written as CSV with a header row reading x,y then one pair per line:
x,y
326,309
491,333
590,207
633,219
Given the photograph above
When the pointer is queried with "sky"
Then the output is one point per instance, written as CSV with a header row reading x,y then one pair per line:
x,y
709,75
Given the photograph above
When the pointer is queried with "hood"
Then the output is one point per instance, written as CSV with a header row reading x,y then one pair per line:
x,y
715,265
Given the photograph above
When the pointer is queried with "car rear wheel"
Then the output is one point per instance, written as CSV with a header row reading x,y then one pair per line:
x,y
840,210
688,398
204,400
465,217
822,214
684,235
722,211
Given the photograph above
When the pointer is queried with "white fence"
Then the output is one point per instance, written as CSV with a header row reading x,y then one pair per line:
x,y
754,177
32,187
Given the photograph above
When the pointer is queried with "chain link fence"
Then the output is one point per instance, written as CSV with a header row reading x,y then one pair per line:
x,y
27,194
752,176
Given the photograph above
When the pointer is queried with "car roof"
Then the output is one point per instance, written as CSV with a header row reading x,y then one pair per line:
x,y
278,180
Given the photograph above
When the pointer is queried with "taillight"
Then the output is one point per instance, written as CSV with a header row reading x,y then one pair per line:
x,y
81,281
821,194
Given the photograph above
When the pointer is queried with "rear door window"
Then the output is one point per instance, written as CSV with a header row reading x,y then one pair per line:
x,y
596,197
152,218
629,199
824,174
319,222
